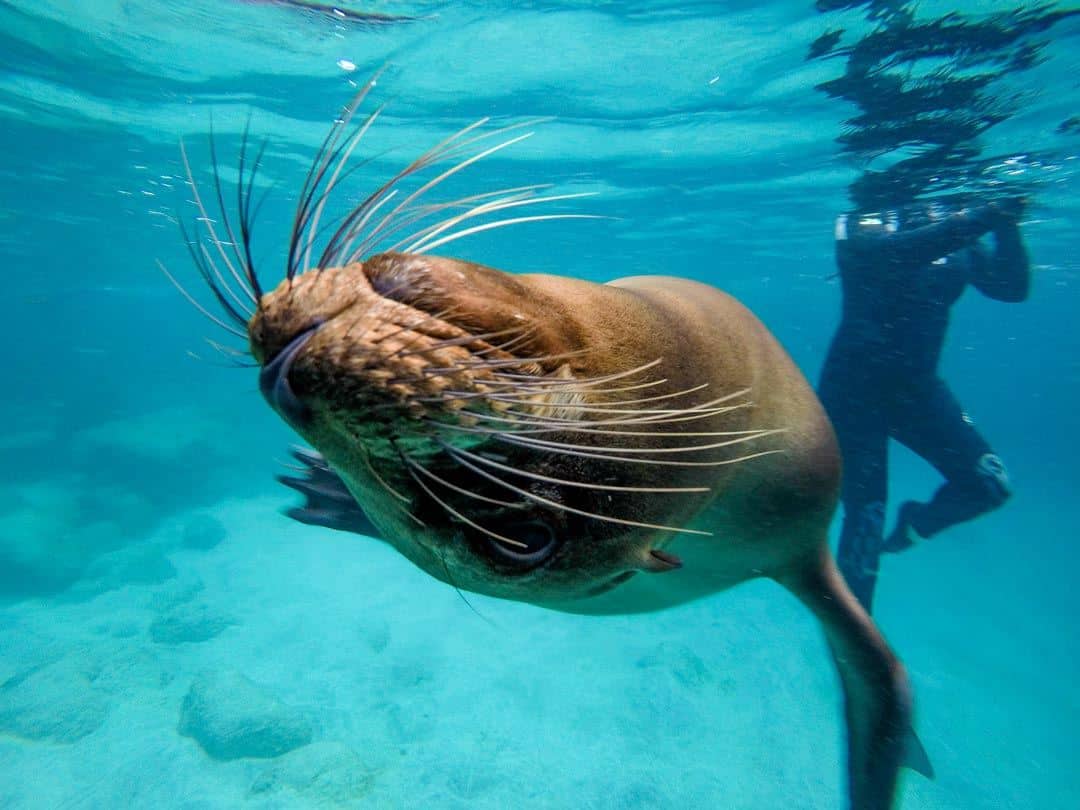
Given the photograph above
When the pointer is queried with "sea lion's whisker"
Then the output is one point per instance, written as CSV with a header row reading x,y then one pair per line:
x,y
242,306
385,485
512,438
458,341
511,363
323,159
599,427
582,426
555,424
644,414
527,394
457,167
243,200
562,481
376,201
208,222
655,450
331,183
231,354
339,224
460,490
507,345
689,415
559,428
524,389
199,259
418,213
240,258
247,216
423,239
654,415
447,149
454,512
438,154
527,399
232,351
234,308
650,433
532,496
359,217
227,363
513,417
502,223
529,423
580,380
232,330
357,220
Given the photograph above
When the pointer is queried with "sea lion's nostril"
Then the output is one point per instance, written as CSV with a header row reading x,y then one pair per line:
x,y
274,381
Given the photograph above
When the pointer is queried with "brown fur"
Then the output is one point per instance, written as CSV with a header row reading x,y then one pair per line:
x,y
407,338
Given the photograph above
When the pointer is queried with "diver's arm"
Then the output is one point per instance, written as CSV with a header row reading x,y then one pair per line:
x,y
1004,275
920,246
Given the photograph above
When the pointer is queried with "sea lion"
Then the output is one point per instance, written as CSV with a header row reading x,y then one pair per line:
x,y
593,448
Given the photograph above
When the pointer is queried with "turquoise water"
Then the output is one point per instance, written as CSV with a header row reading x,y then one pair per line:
x,y
143,546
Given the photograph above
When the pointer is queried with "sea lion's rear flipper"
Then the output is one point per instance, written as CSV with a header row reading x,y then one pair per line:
x,y
328,502
915,756
877,698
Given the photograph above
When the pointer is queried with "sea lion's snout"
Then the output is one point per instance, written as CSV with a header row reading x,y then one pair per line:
x,y
275,386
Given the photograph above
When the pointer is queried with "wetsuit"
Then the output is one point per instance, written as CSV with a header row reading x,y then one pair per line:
x,y
900,275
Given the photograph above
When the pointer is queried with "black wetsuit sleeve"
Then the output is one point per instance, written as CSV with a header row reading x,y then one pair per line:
x,y
920,246
1005,274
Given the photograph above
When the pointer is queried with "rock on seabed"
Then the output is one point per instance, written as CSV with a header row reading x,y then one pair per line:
x,y
323,774
232,717
54,703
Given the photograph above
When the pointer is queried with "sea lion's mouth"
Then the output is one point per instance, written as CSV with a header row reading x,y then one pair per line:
x,y
274,381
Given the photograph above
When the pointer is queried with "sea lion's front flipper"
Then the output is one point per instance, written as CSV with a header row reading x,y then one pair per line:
x,y
328,502
877,698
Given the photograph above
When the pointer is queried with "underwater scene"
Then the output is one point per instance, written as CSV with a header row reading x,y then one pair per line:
x,y
539,404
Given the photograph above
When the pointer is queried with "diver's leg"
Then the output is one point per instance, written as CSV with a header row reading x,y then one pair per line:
x,y
856,414
975,477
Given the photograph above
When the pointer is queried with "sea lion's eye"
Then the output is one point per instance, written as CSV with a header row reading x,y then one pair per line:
x,y
534,542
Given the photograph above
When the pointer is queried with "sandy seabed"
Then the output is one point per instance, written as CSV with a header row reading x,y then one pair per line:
x,y
408,694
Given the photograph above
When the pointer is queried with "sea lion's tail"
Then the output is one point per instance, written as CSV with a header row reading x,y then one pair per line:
x,y
877,697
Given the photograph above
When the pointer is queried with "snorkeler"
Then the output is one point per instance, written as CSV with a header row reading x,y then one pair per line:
x,y
900,272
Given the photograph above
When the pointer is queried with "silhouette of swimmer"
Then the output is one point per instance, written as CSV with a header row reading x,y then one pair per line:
x,y
901,271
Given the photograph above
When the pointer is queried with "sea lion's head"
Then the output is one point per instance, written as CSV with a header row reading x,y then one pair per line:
x,y
512,435
468,416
